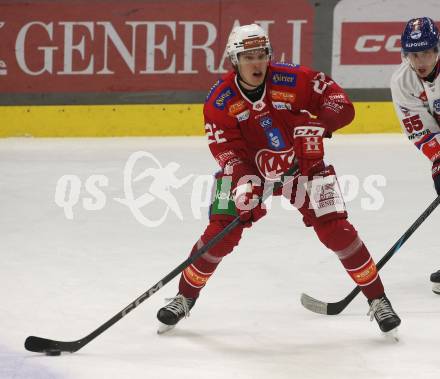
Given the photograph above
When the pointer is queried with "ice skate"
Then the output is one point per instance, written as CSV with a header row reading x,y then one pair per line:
x,y
173,312
435,279
383,312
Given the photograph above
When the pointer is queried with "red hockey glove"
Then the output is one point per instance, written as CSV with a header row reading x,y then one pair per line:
x,y
247,197
308,145
436,175
247,189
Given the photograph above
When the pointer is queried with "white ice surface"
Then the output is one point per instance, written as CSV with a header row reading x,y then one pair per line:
x,y
63,278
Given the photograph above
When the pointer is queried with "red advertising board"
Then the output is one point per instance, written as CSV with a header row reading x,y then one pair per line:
x,y
136,46
371,43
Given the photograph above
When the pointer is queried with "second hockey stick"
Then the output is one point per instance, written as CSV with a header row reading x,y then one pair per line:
x,y
54,347
324,308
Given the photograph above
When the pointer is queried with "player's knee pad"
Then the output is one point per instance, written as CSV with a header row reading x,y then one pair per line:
x,y
338,235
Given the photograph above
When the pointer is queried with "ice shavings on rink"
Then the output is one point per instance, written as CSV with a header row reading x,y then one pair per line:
x,y
61,278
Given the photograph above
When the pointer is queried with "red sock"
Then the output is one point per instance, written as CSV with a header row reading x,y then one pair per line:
x,y
195,276
362,269
341,237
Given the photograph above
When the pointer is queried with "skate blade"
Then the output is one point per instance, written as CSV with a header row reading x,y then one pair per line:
x,y
392,335
164,328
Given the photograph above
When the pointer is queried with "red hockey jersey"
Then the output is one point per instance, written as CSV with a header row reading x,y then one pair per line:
x,y
261,133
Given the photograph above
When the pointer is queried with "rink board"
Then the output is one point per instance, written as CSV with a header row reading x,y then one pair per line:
x,y
150,120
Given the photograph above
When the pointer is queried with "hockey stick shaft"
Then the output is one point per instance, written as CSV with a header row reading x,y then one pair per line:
x,y
318,306
38,344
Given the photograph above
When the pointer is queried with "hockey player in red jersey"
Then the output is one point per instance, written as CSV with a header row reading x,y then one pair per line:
x,y
415,88
258,122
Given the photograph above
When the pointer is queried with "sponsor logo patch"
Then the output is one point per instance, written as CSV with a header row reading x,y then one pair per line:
x,y
243,116
222,99
436,105
325,195
416,33
417,44
365,274
274,138
278,105
266,122
419,134
333,106
283,79
303,131
336,97
285,97
262,114
237,107
195,277
255,42
222,158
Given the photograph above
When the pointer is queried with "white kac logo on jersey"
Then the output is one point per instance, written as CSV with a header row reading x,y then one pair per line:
x,y
272,164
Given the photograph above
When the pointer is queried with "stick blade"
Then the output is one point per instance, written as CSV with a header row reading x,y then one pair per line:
x,y
313,305
39,345
42,345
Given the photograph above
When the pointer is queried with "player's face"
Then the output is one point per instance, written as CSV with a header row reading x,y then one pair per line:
x,y
253,66
423,62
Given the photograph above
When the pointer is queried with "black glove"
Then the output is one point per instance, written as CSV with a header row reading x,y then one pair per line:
x,y
436,175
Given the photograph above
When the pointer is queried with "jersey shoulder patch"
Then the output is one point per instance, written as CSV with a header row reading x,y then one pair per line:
x,y
222,92
213,88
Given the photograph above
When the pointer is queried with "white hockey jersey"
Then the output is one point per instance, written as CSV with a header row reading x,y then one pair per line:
x,y
417,105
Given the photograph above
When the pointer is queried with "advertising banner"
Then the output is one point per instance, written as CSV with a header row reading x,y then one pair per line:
x,y
136,46
366,39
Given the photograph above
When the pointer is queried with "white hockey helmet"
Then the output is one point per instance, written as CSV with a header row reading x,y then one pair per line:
x,y
247,38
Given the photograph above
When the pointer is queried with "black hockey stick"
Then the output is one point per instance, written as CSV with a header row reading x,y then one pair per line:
x,y
324,308
53,347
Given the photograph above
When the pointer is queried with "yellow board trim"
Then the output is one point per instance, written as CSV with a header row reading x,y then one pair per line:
x,y
150,120
373,117
101,120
